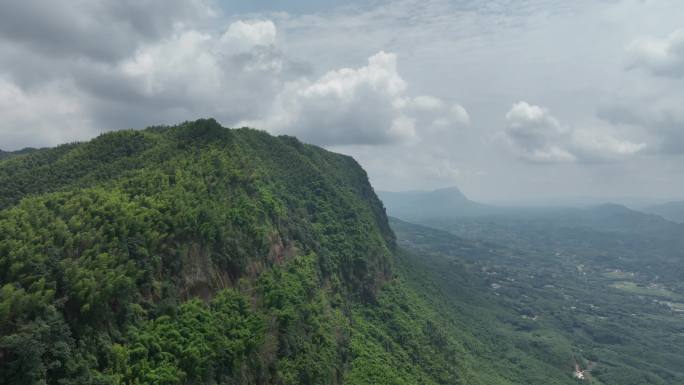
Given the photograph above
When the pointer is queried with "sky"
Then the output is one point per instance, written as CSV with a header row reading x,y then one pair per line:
x,y
525,101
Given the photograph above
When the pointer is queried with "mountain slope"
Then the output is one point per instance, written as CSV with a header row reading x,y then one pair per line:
x,y
196,254
106,247
204,255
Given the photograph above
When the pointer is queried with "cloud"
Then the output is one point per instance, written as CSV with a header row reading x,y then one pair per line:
x,y
536,136
43,117
366,105
232,74
661,57
655,110
661,117
98,30
434,114
168,69
244,35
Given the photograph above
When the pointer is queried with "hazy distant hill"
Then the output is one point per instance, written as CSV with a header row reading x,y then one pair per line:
x,y
9,154
615,217
446,202
673,211
450,203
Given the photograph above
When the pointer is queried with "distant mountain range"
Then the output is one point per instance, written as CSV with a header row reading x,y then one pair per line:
x,y
441,203
673,211
450,203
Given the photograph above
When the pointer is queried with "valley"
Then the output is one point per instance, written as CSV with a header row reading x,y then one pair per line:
x,y
567,300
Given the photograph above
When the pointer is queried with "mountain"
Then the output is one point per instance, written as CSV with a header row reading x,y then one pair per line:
x,y
570,228
673,211
185,254
446,202
197,254
615,217
449,204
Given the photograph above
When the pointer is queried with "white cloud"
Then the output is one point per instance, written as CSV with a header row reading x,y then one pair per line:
x,y
661,57
537,136
44,116
434,114
590,143
244,35
238,75
233,76
168,66
366,105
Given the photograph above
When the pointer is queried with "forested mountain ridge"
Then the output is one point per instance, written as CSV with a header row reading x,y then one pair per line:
x,y
197,254
104,245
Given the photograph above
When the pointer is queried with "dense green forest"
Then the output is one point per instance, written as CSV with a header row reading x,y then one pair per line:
x,y
186,254
196,254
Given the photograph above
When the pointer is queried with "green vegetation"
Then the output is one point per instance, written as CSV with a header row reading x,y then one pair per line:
x,y
654,290
605,299
186,254
196,254
199,254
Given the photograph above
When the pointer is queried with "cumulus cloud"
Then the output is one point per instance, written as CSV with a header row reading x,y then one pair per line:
x,y
659,56
244,35
168,69
366,105
537,136
232,74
